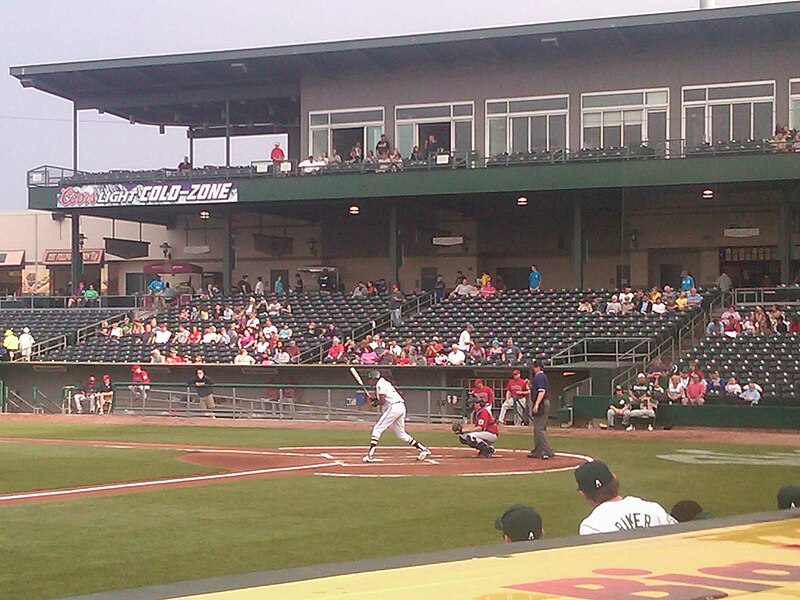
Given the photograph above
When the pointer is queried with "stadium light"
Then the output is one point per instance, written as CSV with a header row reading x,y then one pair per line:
x,y
708,194
205,215
522,201
354,209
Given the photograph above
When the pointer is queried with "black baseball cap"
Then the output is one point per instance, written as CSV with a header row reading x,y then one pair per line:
x,y
789,497
520,523
593,475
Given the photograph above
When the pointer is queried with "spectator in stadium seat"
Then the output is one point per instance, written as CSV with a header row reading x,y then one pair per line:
x,y
658,307
687,281
676,391
751,394
715,386
194,335
476,354
415,154
173,357
382,147
90,296
244,358
488,289
682,301
619,407
162,336
714,327
115,332
456,356
281,357
696,390
585,306
464,289
156,357
534,279
367,355
335,353
184,166
694,298
780,327
360,291
615,306
732,390
88,392
512,355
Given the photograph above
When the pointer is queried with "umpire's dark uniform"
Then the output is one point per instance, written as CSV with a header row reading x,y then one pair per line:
x,y
541,447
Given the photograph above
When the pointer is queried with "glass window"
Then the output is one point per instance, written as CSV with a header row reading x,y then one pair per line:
x,y
519,134
763,125
601,100
656,126
612,129
794,88
319,142
591,129
741,91
659,97
356,116
557,131
538,130
463,131
695,126
794,112
319,119
373,134
496,108
405,139
462,110
498,136
694,95
424,112
720,123
741,122
535,105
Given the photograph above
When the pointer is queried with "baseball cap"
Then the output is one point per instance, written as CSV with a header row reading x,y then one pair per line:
x,y
520,523
640,375
135,367
478,382
789,497
516,372
106,376
593,475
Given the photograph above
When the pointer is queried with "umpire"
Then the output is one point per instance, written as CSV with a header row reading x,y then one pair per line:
x,y
540,409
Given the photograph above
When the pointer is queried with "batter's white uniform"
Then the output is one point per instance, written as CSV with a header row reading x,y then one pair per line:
x,y
394,412
621,515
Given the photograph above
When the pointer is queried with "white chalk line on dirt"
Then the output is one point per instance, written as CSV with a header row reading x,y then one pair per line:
x,y
160,482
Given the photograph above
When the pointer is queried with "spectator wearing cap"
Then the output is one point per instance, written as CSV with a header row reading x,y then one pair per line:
x,y
789,497
277,156
520,523
26,343
11,344
495,351
105,396
619,407
751,394
518,391
689,510
641,401
141,383
610,511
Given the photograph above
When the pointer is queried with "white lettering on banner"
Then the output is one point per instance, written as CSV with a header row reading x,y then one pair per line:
x,y
124,194
707,457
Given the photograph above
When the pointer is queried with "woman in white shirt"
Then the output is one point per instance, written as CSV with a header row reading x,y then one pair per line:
x,y
676,393
659,307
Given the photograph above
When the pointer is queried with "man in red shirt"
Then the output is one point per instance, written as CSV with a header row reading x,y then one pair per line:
x,y
517,393
277,156
481,434
484,392
141,383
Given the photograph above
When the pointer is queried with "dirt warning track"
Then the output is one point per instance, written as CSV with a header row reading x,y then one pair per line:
x,y
322,461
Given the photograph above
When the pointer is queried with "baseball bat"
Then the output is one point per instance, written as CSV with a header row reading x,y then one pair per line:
x,y
358,379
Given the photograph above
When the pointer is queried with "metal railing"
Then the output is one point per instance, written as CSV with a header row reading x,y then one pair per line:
x,y
616,349
131,301
282,401
49,176
62,341
316,354
766,296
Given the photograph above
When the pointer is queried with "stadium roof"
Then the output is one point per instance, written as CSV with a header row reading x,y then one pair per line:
x,y
189,89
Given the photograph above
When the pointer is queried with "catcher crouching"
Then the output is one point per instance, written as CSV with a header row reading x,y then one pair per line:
x,y
482,433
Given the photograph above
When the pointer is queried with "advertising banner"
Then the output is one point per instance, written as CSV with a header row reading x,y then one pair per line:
x,y
138,194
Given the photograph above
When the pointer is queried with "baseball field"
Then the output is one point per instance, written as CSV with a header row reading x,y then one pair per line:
x,y
91,505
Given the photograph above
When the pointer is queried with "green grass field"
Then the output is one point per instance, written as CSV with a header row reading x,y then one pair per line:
x,y
84,545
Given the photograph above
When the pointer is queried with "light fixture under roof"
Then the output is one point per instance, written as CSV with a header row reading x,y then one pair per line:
x,y
354,209
205,215
708,194
522,201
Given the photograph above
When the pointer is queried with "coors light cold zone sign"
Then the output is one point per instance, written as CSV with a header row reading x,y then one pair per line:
x,y
135,194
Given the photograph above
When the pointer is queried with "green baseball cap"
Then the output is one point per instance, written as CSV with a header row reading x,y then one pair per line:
x,y
789,497
520,523
593,475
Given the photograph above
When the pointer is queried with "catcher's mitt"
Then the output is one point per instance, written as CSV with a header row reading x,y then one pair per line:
x,y
457,427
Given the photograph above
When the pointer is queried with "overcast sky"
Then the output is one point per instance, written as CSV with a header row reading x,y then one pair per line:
x,y
35,128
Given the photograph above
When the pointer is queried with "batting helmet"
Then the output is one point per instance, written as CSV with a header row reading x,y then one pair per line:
x,y
374,374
